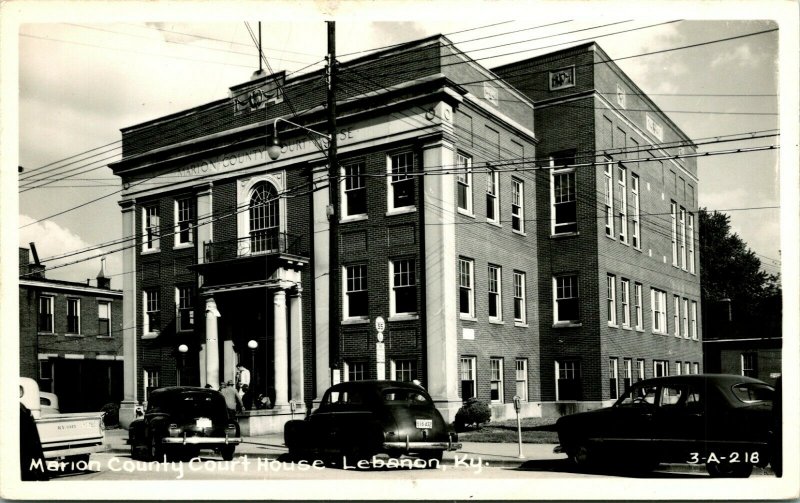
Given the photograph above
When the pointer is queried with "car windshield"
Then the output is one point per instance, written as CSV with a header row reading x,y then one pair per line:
x,y
753,392
402,396
190,405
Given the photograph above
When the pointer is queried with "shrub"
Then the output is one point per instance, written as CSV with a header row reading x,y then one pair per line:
x,y
473,412
111,414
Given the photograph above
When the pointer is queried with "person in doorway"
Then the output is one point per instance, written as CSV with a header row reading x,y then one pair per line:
x,y
232,400
243,375
247,397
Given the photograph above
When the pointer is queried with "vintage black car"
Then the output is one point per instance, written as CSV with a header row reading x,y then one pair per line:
x,y
723,421
357,420
182,420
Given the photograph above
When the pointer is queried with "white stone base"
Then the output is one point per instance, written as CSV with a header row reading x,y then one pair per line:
x,y
127,413
254,423
505,411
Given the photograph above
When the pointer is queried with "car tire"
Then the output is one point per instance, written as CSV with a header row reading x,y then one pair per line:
x,y
581,456
729,470
227,452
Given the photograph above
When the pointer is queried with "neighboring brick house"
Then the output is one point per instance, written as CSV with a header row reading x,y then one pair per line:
x,y
70,337
230,262
616,230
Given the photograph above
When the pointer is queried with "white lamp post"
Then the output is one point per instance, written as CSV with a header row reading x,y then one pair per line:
x,y
182,349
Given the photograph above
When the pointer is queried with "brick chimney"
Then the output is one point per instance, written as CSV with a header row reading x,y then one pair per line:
x,y
26,269
102,280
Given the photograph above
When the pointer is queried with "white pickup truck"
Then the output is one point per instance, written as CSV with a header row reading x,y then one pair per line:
x,y
70,437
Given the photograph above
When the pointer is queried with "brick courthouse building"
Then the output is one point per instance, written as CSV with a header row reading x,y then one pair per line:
x,y
440,234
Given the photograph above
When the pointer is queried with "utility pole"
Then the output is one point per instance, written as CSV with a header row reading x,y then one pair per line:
x,y
333,212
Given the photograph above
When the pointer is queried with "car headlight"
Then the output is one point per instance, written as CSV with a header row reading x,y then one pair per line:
x,y
174,430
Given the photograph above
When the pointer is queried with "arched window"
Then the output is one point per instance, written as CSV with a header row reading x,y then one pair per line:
x,y
264,226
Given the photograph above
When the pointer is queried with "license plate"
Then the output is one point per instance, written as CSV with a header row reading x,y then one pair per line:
x,y
424,423
203,422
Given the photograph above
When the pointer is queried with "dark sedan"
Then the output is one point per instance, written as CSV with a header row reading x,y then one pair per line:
x,y
359,419
183,420
723,421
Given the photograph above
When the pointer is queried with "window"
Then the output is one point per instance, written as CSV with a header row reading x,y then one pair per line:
x,y
46,375
46,314
611,299
492,199
676,311
404,370
356,304
517,205
685,318
104,319
563,194
151,312
152,230
496,385
566,299
658,301
184,221
151,380
401,183
613,378
694,320
635,234
622,184
625,300
467,377
678,368
695,368
674,235
627,369
686,367
568,381
522,379
609,199
185,308
660,368
520,310
637,304
73,316
355,190
683,237
356,371
639,370
404,287
466,299
749,364
264,224
495,299
464,183
691,242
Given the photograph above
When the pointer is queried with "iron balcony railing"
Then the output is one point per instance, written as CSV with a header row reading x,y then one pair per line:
x,y
257,243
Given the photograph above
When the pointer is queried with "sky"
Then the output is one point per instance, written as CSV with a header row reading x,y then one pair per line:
x,y
82,78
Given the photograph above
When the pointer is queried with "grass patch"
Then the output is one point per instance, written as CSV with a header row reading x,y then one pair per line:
x,y
535,430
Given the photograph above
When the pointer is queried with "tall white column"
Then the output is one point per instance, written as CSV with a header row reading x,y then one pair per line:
x,y
127,411
281,349
296,362
212,344
201,356
321,262
228,361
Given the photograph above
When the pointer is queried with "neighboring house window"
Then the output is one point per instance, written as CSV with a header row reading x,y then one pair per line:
x,y
520,310
625,300
678,368
627,369
695,368
749,364
691,242
356,303
356,371
151,222
492,199
264,223
611,299
355,190
563,193
658,301
495,287
613,377
635,234
404,370
566,299
694,320
466,290
184,220
46,314
73,316
467,377
660,368
522,379
683,237
674,233
686,368
404,287
622,183
676,312
639,370
637,304
185,308
464,183
151,311
609,198
496,385
568,380
104,319
517,205
46,375
401,183
685,318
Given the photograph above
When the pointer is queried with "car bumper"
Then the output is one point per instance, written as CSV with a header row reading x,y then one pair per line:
x,y
559,450
409,446
202,440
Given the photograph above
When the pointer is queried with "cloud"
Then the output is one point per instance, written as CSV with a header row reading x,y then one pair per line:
x,y
741,57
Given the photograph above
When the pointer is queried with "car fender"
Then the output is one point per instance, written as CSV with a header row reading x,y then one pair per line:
x,y
296,433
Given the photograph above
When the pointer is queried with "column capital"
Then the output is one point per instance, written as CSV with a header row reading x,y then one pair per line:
x,y
296,291
127,205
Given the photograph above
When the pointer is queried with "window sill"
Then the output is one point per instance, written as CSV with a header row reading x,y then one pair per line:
x,y
466,213
612,238
150,335
45,333
73,335
104,337
183,246
401,211
404,317
496,322
567,324
494,223
521,233
354,321
659,333
467,317
624,242
626,327
354,218
149,252
565,235
640,330
612,325
521,324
